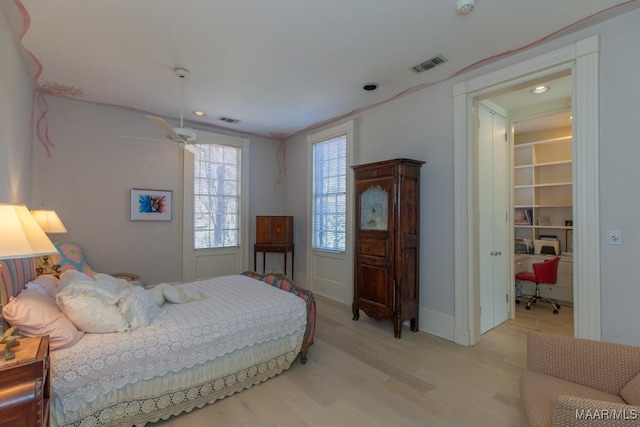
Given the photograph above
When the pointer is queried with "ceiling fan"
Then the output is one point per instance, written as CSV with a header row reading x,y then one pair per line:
x,y
185,137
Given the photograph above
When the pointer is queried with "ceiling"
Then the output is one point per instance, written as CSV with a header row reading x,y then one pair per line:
x,y
280,66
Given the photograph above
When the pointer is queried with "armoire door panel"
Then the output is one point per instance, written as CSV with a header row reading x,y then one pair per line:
x,y
377,292
374,247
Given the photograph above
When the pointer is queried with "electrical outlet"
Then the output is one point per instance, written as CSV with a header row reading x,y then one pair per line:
x,y
615,237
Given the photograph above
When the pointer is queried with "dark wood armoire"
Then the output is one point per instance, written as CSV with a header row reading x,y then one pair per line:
x,y
387,241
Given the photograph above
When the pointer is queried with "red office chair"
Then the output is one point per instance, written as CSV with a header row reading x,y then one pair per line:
x,y
543,272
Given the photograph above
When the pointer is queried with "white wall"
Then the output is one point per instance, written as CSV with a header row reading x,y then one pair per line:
x,y
620,173
421,126
16,93
91,171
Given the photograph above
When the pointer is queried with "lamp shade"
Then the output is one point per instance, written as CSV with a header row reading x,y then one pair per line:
x,y
20,234
49,221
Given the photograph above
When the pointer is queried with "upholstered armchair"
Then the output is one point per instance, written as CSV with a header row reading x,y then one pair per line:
x,y
577,382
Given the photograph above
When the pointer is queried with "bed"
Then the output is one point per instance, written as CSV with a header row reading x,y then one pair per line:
x,y
244,330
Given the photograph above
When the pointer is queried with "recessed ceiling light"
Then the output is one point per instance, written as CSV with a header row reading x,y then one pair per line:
x,y
540,89
199,113
465,6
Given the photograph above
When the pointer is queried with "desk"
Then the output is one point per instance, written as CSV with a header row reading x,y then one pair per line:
x,y
284,248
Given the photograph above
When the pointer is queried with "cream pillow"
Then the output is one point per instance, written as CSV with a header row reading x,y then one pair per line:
x,y
69,277
90,312
157,293
36,314
139,308
180,294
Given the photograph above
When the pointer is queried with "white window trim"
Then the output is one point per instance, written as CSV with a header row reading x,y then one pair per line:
x,y
345,128
188,268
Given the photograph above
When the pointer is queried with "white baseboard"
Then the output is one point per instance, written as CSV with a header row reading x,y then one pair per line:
x,y
437,323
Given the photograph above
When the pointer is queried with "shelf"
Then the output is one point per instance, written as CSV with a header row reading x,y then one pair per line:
x,y
542,183
552,184
559,162
542,141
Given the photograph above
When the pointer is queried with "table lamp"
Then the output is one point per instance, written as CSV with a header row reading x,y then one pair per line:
x,y
20,237
50,223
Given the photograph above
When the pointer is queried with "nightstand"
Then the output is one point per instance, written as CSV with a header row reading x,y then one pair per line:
x,y
25,385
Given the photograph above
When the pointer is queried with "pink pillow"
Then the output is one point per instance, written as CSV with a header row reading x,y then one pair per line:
x,y
36,314
48,282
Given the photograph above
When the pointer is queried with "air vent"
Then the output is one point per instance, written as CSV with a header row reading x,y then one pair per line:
x,y
427,65
228,120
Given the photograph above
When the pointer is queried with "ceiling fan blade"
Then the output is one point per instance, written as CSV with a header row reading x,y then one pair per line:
x,y
142,138
168,131
192,148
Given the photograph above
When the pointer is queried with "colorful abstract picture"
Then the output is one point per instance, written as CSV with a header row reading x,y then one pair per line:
x,y
150,205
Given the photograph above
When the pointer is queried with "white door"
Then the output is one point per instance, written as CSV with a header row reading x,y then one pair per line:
x,y
216,261
493,193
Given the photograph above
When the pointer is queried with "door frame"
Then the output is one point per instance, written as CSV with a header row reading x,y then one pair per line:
x,y
582,59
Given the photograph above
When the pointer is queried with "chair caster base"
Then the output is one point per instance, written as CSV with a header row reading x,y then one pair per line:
x,y
528,307
555,311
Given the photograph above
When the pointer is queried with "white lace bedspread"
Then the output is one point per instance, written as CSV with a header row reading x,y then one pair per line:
x,y
239,311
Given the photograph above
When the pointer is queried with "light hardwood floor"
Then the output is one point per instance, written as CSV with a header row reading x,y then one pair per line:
x,y
359,375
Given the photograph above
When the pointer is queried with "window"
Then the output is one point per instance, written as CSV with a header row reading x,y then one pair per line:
x,y
330,194
216,188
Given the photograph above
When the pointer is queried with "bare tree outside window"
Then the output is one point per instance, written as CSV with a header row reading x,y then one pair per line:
x,y
330,194
216,196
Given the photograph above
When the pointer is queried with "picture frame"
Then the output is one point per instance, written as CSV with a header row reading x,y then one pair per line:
x,y
150,205
569,243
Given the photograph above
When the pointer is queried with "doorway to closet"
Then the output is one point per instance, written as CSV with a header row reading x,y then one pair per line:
x,y
537,194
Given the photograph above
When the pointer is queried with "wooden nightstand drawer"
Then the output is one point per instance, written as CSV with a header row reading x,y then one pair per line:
x,y
24,384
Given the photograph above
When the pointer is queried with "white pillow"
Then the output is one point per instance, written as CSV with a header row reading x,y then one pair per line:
x,y
157,293
180,294
139,308
69,277
90,312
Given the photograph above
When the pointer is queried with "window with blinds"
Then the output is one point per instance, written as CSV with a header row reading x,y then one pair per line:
x,y
330,194
216,196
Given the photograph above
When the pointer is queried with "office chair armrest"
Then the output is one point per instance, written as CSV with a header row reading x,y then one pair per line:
x,y
600,365
571,411
127,276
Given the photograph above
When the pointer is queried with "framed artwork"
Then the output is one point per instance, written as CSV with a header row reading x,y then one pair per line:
x,y
150,205
569,245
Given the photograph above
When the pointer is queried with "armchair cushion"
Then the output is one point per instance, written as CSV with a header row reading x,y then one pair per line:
x,y
578,382
540,392
571,411
631,392
601,365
